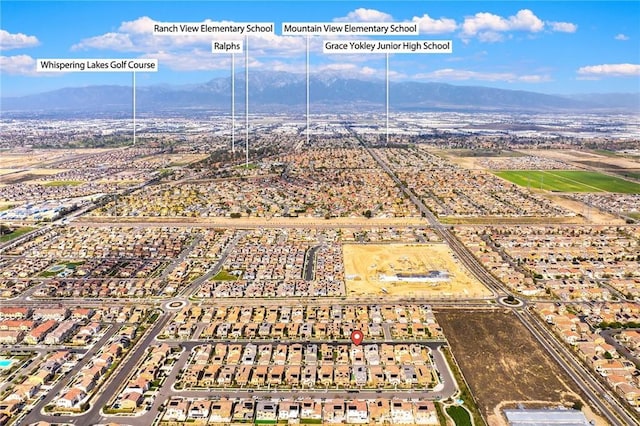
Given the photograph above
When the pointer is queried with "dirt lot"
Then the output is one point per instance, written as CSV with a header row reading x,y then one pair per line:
x,y
172,159
524,220
27,175
467,162
595,216
252,222
18,161
571,156
502,362
365,263
41,157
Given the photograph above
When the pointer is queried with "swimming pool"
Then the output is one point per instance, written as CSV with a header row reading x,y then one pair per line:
x,y
6,363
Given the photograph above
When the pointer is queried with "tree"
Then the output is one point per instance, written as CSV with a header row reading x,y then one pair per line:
x,y
5,229
367,214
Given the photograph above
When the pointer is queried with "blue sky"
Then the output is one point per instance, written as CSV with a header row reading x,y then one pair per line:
x,y
549,47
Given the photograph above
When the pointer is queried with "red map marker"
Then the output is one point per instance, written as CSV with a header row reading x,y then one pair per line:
x,y
356,337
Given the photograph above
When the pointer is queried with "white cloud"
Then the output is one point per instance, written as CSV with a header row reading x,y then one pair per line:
x,y
350,70
109,41
333,69
365,15
428,25
276,45
137,36
525,20
448,74
142,25
18,65
534,78
202,60
489,27
199,60
622,37
484,21
195,60
563,27
16,41
610,70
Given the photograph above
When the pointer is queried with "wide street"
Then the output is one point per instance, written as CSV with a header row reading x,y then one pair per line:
x,y
611,407
597,395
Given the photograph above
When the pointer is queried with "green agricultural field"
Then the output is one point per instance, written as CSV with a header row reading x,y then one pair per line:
x,y
15,234
63,183
627,173
569,181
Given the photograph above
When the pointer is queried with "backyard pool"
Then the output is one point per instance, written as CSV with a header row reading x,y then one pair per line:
x,y
6,363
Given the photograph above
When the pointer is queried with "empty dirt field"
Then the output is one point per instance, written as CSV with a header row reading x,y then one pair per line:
x,y
502,362
591,215
21,176
366,265
584,157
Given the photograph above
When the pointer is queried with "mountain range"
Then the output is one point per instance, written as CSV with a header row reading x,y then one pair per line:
x,y
286,92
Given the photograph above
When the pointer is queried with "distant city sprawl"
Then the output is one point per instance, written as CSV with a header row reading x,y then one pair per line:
x,y
340,273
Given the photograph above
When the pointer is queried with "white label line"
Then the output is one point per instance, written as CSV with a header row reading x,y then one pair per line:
x,y
246,99
134,108
387,95
307,90
233,103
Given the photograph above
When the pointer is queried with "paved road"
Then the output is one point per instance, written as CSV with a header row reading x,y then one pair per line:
x,y
309,267
161,397
181,257
35,415
26,368
43,349
124,370
252,223
447,389
108,390
609,338
17,241
192,343
468,302
193,287
599,396
444,232
72,215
